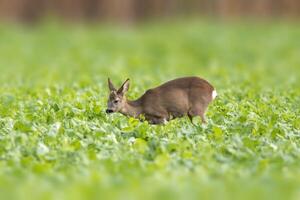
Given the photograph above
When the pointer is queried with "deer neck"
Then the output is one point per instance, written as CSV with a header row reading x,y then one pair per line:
x,y
132,108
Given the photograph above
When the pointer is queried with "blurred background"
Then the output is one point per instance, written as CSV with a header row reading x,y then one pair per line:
x,y
211,35
136,10
56,55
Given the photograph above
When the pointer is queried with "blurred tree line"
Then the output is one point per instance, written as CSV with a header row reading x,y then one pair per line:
x,y
133,10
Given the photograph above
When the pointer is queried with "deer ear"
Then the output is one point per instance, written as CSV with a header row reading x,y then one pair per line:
x,y
111,85
124,88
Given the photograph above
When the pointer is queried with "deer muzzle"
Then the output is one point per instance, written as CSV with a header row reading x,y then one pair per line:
x,y
108,111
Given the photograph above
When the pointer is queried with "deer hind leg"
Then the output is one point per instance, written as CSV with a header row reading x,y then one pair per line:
x,y
203,118
197,111
191,119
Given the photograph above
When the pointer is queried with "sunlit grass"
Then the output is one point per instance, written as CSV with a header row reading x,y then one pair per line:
x,y
57,142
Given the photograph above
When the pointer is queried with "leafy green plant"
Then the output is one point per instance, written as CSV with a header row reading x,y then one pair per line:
x,y
56,142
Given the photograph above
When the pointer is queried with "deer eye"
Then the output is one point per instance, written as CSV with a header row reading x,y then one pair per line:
x,y
116,101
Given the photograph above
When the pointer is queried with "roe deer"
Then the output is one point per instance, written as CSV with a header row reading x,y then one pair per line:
x,y
176,98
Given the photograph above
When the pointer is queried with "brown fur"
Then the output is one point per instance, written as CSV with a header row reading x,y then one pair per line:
x,y
188,96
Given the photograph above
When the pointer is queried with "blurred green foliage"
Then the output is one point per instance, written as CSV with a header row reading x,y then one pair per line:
x,y
56,142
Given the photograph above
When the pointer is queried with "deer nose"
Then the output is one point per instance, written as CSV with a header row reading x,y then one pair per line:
x,y
109,111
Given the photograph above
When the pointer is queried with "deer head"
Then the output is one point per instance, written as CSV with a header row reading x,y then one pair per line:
x,y
117,100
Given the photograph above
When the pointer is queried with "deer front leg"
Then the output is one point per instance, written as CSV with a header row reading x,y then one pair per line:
x,y
156,119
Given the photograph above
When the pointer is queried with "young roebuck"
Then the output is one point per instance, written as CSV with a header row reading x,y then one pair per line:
x,y
176,98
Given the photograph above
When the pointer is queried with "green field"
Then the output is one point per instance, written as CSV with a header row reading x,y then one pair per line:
x,y
56,142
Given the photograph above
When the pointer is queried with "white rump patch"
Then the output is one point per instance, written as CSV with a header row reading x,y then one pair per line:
x,y
214,94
